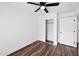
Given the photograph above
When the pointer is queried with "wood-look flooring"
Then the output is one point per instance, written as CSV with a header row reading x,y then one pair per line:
x,y
40,48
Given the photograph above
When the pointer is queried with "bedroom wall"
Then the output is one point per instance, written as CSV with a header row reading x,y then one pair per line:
x,y
18,27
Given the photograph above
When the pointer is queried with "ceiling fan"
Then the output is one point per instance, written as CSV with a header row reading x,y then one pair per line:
x,y
43,5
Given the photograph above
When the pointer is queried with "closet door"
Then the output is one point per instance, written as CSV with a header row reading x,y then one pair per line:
x,y
50,30
68,31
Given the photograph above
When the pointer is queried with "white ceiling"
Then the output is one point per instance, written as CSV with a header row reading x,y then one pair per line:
x,y
62,8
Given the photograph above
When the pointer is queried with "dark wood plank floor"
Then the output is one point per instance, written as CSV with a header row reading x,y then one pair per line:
x,y
40,48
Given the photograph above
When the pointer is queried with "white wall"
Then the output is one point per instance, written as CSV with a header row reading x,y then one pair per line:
x,y
18,27
42,26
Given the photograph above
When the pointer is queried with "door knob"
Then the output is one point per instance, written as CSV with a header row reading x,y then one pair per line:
x,y
74,42
74,31
61,32
74,20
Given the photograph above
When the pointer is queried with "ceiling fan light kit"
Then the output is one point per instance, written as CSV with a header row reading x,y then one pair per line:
x,y
43,5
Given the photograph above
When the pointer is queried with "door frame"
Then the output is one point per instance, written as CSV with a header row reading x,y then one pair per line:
x,y
46,30
55,31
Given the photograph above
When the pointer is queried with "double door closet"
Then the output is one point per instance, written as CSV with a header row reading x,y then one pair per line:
x,y
67,30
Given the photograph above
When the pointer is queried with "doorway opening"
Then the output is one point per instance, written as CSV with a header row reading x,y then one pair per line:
x,y
49,31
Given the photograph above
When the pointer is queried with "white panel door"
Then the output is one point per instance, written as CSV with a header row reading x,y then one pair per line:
x,y
68,31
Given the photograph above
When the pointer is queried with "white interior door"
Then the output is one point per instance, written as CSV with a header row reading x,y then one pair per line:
x,y
68,31
50,30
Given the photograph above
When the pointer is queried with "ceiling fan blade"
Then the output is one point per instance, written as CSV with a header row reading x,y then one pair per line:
x,y
46,10
45,3
37,9
52,4
33,3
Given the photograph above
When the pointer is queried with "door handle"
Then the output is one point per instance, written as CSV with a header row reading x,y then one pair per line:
x,y
74,20
74,42
74,31
61,32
